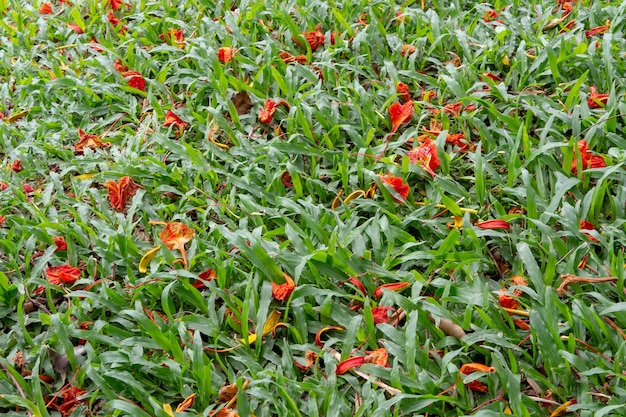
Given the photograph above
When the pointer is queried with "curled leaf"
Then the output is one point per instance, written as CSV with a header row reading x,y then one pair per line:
x,y
147,258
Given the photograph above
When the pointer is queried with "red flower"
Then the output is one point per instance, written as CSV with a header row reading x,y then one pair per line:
x,y
46,8
588,160
398,185
173,35
595,100
16,165
453,109
28,188
490,15
172,119
357,283
395,286
75,28
399,114
585,225
88,140
135,80
62,274
407,49
225,54
2,219
458,139
380,314
60,243
283,291
428,95
115,4
3,186
267,113
598,30
120,191
314,38
353,362
207,275
116,22
426,156
507,301
285,179
403,90
494,224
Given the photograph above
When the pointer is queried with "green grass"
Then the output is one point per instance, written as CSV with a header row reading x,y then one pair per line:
x,y
119,342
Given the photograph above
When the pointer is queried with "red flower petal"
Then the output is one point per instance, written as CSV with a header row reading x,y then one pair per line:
x,y
60,243
75,28
494,224
426,156
120,191
283,291
135,80
398,184
267,113
380,314
65,274
403,90
399,114
46,8
172,119
395,286
225,54
353,362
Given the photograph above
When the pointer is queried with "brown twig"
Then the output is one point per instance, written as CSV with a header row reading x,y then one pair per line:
x,y
573,279
615,327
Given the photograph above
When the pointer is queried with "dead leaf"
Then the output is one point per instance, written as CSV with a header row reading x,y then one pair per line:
x,y
242,102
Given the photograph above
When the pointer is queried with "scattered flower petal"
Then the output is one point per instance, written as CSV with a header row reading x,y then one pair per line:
x,y
353,362
399,114
494,224
395,286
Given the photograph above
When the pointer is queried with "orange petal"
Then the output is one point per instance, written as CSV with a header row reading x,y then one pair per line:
x,y
188,402
396,286
283,291
318,335
378,357
468,368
